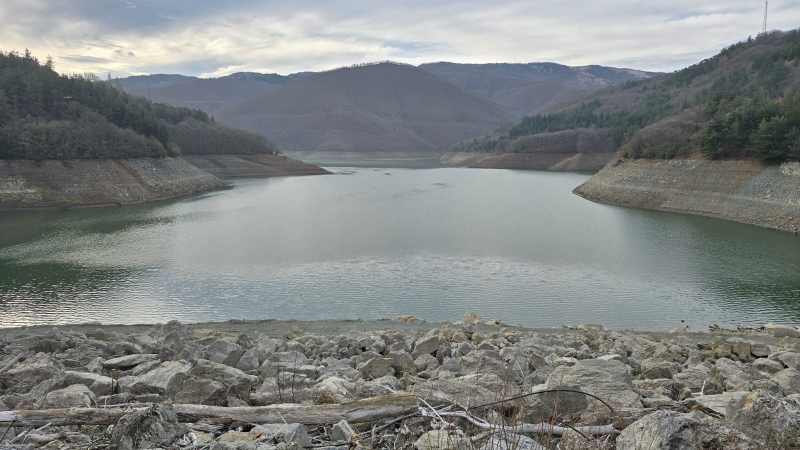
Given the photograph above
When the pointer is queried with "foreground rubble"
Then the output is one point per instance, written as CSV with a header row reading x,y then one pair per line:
x,y
448,388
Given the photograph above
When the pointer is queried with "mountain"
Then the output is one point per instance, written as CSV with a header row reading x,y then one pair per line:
x,y
206,94
44,115
383,108
741,103
534,87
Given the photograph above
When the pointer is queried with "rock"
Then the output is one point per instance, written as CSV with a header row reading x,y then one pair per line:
x,y
129,361
608,380
282,433
698,379
735,376
653,368
764,416
544,407
166,379
788,380
462,390
441,440
719,402
224,351
98,384
789,359
209,383
376,367
402,361
591,327
679,431
154,427
333,390
679,330
759,350
381,386
342,431
767,366
425,362
780,331
614,357
249,361
75,396
470,319
25,375
427,346
510,441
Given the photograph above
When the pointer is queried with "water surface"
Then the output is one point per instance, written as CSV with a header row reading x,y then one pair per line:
x,y
381,242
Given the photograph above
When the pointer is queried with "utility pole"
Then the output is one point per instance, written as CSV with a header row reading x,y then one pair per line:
x,y
764,28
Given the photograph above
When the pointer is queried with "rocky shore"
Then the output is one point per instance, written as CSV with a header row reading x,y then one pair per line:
x,y
556,162
741,191
396,384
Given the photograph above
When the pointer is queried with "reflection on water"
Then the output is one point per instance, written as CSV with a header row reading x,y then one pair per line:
x,y
380,242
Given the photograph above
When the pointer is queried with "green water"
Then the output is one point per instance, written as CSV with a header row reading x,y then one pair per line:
x,y
380,242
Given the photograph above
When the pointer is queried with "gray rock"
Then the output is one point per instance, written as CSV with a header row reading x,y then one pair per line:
x,y
426,362
224,351
25,375
98,384
342,431
376,367
764,416
129,361
441,440
789,359
767,366
653,368
735,376
679,431
608,380
780,331
75,396
249,360
282,433
719,402
427,346
402,361
510,441
210,383
166,379
154,427
698,379
788,380
333,390
463,390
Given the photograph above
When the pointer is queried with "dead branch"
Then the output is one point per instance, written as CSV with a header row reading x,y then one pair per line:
x,y
530,427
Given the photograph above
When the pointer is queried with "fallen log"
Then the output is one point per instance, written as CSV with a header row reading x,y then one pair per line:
x,y
367,410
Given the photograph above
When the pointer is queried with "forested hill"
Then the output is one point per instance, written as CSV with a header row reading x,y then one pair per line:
x,y
532,87
741,103
44,115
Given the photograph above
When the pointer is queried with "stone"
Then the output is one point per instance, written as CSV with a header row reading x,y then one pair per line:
x,y
402,361
463,390
333,390
788,380
718,402
249,361
653,368
165,379
764,416
25,375
74,396
425,362
154,427
427,346
789,359
780,331
510,441
698,379
209,383
471,319
282,433
679,431
224,351
441,440
342,431
376,367
735,376
98,384
608,380
129,361
767,366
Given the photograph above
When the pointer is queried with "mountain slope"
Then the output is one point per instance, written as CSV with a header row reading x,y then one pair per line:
x,y
531,88
387,108
714,107
206,94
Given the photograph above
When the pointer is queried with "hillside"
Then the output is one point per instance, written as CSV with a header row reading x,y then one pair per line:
x,y
208,95
44,115
740,103
534,87
389,108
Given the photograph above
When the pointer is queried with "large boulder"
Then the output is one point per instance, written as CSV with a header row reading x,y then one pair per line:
x,y
155,427
788,380
210,383
428,345
680,431
281,433
764,416
735,376
25,375
224,351
98,384
655,368
129,361
376,367
608,380
75,396
697,378
442,440
165,379
463,390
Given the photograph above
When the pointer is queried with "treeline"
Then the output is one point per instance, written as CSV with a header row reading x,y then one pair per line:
x,y
203,139
44,115
740,103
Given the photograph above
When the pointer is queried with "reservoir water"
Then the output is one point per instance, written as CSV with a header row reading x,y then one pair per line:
x,y
381,242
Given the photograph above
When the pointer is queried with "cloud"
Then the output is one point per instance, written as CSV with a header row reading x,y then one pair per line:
x,y
210,38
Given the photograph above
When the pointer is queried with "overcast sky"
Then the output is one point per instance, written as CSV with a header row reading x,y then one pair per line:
x,y
216,37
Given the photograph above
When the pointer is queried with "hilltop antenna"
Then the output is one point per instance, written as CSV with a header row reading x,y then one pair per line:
x,y
764,28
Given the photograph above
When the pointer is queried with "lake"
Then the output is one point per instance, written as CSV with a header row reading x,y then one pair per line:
x,y
372,243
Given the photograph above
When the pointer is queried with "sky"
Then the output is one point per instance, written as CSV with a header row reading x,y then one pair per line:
x,y
211,38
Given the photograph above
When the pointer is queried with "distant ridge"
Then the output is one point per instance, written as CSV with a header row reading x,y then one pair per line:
x,y
383,107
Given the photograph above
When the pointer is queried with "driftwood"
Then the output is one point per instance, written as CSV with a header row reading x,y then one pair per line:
x,y
367,410
531,428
